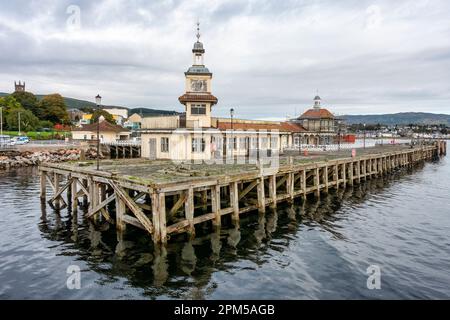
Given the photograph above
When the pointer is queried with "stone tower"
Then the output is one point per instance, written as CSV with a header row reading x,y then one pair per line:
x,y
19,87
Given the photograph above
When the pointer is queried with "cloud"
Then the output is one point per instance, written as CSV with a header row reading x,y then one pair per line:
x,y
268,57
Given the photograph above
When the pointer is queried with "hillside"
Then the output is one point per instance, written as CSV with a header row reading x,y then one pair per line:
x,y
77,103
403,118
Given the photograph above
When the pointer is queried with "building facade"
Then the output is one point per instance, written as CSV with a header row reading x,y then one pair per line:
x,y
321,127
109,133
197,135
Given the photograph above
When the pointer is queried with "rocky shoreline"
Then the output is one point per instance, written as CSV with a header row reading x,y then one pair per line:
x,y
16,159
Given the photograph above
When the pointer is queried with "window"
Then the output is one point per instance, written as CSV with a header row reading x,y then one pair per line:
x,y
243,143
198,109
164,144
264,143
85,137
274,142
254,143
198,145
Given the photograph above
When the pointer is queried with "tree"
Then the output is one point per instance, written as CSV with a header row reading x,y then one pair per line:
x,y
99,112
28,101
28,121
54,108
7,104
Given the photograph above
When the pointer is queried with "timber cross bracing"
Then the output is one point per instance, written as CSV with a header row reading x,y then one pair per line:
x,y
173,207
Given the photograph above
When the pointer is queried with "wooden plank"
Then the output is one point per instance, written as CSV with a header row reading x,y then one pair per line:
x,y
261,195
74,195
177,205
100,206
133,221
155,217
234,200
60,191
215,203
43,183
248,189
281,181
317,182
304,183
273,190
83,188
189,210
120,214
162,217
133,207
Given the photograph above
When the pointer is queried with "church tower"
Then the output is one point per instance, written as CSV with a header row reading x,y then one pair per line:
x,y
19,87
198,100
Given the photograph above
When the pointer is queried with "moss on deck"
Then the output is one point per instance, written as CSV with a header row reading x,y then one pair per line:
x,y
165,171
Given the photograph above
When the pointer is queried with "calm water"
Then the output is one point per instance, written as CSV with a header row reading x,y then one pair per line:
x,y
316,250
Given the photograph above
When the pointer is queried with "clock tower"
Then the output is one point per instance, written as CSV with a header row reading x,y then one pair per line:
x,y
198,99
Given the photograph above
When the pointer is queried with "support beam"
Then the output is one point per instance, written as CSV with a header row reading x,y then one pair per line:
x,y
234,199
120,214
317,182
189,208
215,203
248,189
261,195
273,190
43,183
162,217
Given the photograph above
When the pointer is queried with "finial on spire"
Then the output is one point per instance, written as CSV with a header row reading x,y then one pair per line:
x,y
198,31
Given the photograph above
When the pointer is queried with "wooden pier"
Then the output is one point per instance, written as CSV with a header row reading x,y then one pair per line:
x,y
148,195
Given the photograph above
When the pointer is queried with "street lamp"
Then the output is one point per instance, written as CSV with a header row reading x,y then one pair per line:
x,y
19,122
98,101
232,133
1,121
339,136
364,139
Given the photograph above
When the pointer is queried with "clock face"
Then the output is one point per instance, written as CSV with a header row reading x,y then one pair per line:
x,y
198,85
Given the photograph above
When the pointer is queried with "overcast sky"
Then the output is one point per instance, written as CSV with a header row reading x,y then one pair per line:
x,y
268,58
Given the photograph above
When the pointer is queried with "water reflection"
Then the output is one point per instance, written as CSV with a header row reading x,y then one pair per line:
x,y
186,268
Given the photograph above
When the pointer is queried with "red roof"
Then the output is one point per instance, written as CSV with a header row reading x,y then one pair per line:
x,y
282,126
317,114
293,127
105,126
192,97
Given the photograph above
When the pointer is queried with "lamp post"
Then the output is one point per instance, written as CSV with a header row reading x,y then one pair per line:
x,y
232,133
339,137
364,139
19,123
1,121
98,101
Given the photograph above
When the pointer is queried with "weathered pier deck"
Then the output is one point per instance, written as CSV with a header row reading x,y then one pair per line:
x,y
163,198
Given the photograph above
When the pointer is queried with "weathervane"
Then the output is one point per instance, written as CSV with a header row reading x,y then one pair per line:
x,y
198,31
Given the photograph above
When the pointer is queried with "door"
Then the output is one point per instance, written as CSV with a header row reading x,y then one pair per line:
x,y
152,148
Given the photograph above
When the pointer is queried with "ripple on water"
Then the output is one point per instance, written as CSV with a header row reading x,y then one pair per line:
x,y
318,250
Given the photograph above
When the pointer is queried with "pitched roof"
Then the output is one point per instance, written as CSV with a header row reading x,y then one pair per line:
x,y
194,97
293,127
317,114
105,126
280,126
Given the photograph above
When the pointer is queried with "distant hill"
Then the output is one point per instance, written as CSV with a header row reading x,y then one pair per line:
x,y
146,112
77,104
402,118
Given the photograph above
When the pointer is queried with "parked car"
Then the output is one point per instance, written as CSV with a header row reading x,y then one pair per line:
x,y
20,140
